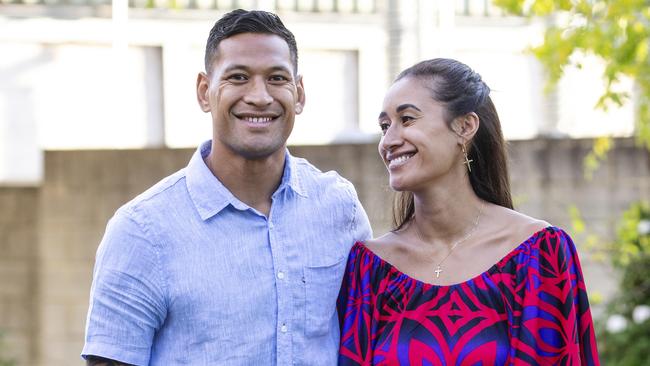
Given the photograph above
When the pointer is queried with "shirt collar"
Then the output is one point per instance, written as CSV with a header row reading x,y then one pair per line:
x,y
210,196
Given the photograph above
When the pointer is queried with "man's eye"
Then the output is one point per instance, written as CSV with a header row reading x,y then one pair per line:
x,y
406,119
237,77
278,78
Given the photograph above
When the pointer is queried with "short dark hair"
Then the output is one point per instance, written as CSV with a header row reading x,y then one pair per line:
x,y
243,21
461,90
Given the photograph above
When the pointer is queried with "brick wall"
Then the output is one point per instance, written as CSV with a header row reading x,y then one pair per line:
x,y
45,268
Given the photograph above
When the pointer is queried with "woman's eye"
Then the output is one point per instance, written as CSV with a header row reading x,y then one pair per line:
x,y
406,119
384,127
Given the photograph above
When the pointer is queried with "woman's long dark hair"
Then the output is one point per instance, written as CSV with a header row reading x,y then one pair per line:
x,y
461,91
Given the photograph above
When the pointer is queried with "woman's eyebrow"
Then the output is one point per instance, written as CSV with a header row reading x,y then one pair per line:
x,y
407,106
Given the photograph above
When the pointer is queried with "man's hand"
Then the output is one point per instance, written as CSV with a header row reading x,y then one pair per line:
x,y
101,361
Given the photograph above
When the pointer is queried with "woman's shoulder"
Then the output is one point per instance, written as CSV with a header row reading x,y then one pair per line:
x,y
390,247
519,222
520,225
506,229
379,245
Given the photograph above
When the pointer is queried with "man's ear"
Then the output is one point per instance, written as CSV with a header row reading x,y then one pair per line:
x,y
300,100
466,126
202,88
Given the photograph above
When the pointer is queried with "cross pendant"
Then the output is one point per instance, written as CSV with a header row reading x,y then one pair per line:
x,y
438,271
468,161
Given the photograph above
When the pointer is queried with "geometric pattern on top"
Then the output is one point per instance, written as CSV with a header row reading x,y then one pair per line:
x,y
530,308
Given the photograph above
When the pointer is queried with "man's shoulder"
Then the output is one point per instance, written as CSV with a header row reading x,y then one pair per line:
x,y
165,192
316,180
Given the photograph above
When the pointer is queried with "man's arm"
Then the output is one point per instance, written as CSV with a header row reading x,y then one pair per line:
x,y
100,361
127,300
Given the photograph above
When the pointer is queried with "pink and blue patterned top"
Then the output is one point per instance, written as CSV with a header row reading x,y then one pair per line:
x,y
530,308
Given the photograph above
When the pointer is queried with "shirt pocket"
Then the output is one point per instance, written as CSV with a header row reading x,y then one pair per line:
x,y
322,285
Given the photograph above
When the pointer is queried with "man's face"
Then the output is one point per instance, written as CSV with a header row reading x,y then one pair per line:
x,y
252,94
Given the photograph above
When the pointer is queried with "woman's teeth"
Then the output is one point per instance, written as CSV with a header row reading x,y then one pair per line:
x,y
399,160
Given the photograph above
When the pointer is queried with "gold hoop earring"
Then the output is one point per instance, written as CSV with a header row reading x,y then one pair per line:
x,y
466,160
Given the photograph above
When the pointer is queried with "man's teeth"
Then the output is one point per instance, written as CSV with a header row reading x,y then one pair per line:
x,y
258,119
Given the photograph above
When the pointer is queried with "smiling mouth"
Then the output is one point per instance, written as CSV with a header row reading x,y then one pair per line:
x,y
395,162
257,120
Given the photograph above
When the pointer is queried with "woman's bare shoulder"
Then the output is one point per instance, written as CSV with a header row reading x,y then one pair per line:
x,y
525,224
393,247
512,226
382,244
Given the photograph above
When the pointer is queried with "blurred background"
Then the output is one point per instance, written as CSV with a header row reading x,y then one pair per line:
x,y
97,103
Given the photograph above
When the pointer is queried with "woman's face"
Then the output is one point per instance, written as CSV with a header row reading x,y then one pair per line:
x,y
417,146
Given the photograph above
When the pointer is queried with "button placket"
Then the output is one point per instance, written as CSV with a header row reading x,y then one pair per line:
x,y
284,300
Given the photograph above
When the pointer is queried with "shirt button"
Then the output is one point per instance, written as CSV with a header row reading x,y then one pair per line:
x,y
284,328
280,275
270,225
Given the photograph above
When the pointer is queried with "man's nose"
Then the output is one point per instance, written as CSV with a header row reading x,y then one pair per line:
x,y
258,93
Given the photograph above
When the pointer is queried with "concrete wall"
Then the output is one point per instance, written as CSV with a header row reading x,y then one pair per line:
x,y
80,192
18,292
49,235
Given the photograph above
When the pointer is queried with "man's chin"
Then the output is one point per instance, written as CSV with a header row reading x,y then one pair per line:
x,y
258,153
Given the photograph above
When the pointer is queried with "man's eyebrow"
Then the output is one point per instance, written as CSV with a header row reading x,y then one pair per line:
x,y
247,68
382,115
280,68
407,106
235,67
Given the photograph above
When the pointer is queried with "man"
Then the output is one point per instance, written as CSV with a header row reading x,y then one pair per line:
x,y
236,259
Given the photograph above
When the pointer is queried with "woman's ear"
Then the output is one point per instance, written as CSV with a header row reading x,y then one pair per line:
x,y
466,126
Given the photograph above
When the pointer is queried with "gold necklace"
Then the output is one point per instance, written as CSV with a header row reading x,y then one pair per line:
x,y
469,233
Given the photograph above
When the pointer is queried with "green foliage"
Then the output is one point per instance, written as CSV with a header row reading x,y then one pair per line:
x,y
598,250
632,246
617,31
628,348
630,253
4,361
597,154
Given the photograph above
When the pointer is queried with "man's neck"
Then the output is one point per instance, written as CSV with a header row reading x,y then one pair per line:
x,y
251,181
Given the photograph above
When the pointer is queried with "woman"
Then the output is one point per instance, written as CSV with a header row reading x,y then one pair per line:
x,y
463,279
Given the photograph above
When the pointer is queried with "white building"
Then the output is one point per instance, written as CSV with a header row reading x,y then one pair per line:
x,y
76,75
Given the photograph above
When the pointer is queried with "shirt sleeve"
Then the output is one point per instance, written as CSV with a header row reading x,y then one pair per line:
x,y
127,302
355,309
556,323
361,229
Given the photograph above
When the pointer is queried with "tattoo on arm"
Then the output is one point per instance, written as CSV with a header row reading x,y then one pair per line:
x,y
101,361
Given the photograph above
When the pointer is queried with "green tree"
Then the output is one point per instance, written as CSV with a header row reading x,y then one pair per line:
x,y
617,31
630,253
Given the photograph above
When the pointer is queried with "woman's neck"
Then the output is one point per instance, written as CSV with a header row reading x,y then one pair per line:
x,y
442,216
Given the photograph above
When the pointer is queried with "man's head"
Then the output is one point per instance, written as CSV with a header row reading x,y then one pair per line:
x,y
242,21
251,87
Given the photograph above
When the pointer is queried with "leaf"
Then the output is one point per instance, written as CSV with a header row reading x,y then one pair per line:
x,y
602,145
617,31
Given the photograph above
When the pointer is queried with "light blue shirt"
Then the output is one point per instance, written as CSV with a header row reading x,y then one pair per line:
x,y
187,274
